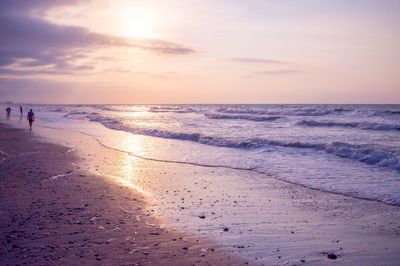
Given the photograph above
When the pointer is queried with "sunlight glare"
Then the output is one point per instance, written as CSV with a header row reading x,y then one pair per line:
x,y
137,23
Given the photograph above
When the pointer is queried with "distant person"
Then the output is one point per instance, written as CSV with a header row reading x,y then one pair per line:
x,y
31,118
20,110
8,110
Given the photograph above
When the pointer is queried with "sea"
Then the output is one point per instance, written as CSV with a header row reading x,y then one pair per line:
x,y
352,150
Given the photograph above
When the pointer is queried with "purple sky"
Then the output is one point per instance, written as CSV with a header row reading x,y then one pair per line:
x,y
200,51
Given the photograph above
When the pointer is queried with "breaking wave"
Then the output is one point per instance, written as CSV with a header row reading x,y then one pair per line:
x,y
169,109
360,125
81,114
369,154
289,112
243,117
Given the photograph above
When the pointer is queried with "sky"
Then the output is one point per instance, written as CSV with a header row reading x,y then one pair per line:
x,y
200,51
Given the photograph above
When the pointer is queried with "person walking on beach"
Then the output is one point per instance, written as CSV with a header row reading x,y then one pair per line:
x,y
20,110
31,118
8,110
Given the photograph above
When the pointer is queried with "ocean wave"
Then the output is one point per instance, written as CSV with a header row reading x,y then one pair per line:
x,y
167,108
57,110
81,114
360,125
170,109
153,132
293,112
392,112
243,117
365,153
373,155
106,107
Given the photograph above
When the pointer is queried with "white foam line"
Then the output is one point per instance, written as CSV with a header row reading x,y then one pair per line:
x,y
56,176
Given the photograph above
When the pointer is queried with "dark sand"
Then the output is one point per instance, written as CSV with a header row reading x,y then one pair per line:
x,y
81,218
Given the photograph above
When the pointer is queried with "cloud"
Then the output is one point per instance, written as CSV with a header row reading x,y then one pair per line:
x,y
164,47
29,43
7,6
70,69
257,61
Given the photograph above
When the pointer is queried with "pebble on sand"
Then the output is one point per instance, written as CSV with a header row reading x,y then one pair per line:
x,y
332,256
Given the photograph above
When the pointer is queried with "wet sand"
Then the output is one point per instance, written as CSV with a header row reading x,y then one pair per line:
x,y
53,212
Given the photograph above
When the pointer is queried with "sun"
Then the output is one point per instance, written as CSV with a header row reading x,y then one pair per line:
x,y
138,23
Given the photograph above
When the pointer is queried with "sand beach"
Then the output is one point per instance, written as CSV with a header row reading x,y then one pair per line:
x,y
54,212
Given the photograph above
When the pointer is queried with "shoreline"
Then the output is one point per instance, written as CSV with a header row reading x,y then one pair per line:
x,y
297,225
51,208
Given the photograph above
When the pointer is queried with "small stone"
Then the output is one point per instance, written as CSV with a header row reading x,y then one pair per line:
x,y
226,229
332,256
202,216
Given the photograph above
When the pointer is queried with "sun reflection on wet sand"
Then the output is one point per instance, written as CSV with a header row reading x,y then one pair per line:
x,y
130,176
130,184
118,166
128,168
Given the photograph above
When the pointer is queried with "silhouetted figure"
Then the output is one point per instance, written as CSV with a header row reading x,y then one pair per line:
x,y
31,118
20,110
8,110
